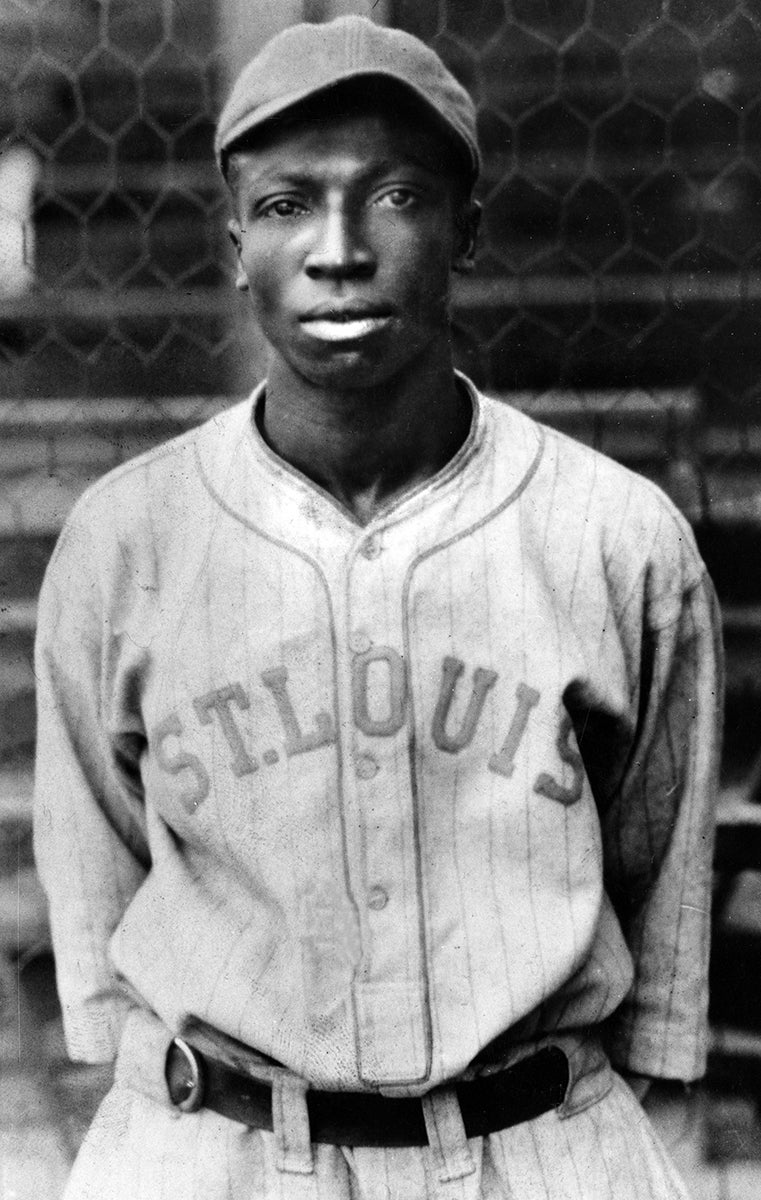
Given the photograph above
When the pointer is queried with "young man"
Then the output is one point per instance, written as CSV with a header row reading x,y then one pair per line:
x,y
377,724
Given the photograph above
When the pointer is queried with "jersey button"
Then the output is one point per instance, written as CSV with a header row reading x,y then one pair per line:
x,y
366,766
371,547
378,898
360,641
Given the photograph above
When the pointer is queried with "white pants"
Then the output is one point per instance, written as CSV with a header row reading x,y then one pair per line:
x,y
140,1150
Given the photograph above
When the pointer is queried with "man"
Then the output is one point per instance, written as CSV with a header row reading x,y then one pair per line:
x,y
377,723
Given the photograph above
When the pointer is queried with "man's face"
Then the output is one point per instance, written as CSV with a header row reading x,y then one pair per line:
x,y
347,232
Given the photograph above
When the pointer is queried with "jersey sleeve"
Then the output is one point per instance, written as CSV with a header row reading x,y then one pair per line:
x,y
658,839
90,843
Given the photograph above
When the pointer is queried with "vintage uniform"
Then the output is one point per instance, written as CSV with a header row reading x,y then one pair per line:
x,y
393,805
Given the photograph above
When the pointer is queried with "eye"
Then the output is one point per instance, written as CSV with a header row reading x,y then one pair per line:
x,y
398,198
282,206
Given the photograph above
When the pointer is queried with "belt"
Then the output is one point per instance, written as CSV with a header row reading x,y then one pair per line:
x,y
518,1093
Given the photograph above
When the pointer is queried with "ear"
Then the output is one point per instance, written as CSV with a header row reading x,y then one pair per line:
x,y
467,230
236,236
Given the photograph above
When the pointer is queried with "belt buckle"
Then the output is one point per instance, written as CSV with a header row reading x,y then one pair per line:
x,y
185,1076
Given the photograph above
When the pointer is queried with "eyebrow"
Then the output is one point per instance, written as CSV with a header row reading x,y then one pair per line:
x,y
276,176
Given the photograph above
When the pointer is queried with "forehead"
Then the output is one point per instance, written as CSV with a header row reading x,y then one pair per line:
x,y
364,143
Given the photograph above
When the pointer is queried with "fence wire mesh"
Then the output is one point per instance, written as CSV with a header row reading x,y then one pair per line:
x,y
619,276
622,226
108,117
618,293
621,256
622,230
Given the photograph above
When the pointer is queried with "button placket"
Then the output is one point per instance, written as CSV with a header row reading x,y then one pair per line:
x,y
388,990
365,618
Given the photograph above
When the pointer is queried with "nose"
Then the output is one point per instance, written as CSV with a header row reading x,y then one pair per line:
x,y
339,249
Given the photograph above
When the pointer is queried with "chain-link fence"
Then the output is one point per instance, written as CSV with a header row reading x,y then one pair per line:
x,y
107,114
618,292
622,234
621,252
619,282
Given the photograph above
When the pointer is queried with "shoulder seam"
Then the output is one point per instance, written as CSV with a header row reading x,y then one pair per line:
x,y
179,444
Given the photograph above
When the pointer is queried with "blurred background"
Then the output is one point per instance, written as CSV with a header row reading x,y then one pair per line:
x,y
618,297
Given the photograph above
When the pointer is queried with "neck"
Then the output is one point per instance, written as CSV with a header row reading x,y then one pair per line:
x,y
367,446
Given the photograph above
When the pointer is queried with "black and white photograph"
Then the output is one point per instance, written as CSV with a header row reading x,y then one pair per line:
x,y
380,599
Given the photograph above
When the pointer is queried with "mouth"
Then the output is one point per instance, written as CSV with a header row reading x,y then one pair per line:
x,y
345,324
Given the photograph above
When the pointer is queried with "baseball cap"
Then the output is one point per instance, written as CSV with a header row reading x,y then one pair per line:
x,y
307,58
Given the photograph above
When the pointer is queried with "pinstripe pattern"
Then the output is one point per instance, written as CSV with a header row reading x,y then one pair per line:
x,y
383,801
137,1151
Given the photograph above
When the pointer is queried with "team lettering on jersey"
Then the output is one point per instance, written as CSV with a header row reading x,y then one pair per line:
x,y
225,706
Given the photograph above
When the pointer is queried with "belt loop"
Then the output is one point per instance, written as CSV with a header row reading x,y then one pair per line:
x,y
290,1123
452,1158
141,1060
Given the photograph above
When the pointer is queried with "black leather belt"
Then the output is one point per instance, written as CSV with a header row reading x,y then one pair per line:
x,y
519,1093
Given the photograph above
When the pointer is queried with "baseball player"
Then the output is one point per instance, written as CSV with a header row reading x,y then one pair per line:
x,y
377,723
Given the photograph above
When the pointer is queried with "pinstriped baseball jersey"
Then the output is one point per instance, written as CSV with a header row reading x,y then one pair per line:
x,y
382,802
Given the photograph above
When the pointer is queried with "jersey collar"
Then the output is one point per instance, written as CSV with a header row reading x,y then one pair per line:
x,y
263,491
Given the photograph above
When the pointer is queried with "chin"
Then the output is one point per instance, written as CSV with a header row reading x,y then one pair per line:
x,y
347,372
350,381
